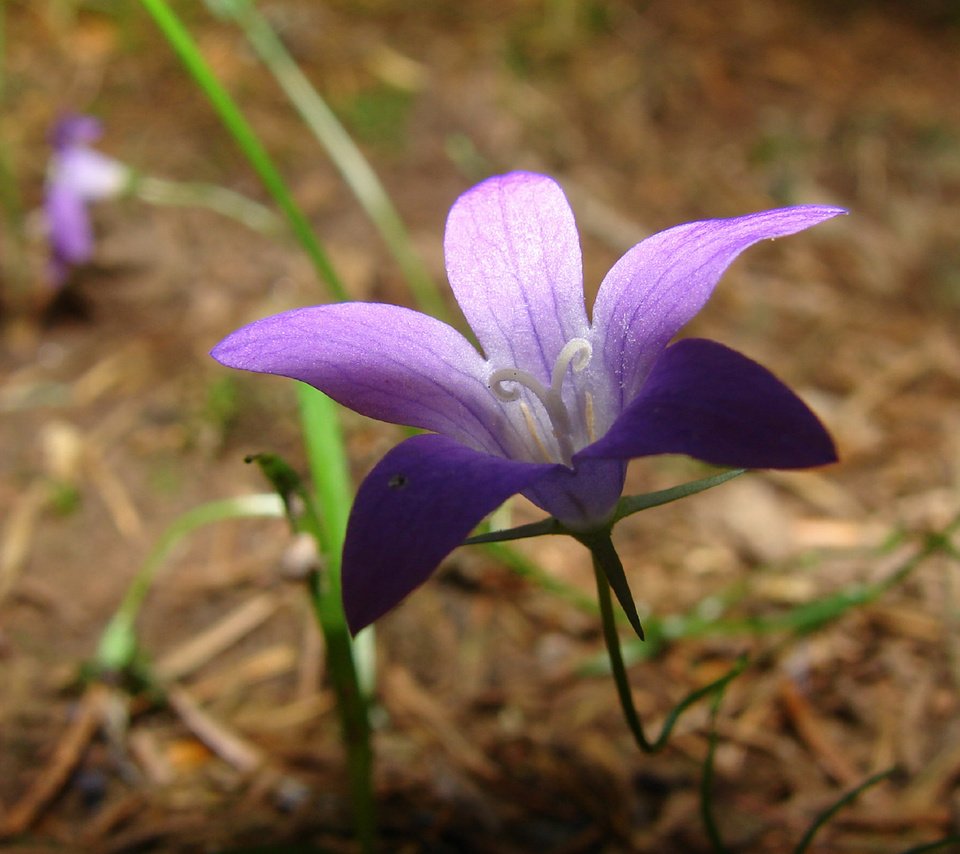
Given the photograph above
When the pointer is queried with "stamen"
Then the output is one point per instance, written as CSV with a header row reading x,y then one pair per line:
x,y
588,415
576,353
532,427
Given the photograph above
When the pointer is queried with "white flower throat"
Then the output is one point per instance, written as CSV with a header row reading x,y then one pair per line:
x,y
506,384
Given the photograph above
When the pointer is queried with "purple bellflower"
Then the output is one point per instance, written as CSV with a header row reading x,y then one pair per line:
x,y
557,403
77,176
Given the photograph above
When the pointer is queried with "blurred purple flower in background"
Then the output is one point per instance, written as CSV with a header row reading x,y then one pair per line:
x,y
77,176
557,404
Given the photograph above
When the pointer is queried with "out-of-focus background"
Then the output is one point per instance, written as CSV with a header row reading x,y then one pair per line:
x,y
496,729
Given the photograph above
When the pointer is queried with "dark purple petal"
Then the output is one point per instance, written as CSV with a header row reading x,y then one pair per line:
x,y
417,505
75,130
513,259
710,402
383,361
582,498
660,284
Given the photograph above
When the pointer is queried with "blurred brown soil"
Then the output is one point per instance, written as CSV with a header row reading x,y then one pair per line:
x,y
492,733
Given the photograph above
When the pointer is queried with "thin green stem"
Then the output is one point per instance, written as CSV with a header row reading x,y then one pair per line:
x,y
245,137
159,191
612,640
347,157
353,709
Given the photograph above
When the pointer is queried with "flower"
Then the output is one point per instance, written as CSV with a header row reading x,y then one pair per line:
x,y
557,404
77,175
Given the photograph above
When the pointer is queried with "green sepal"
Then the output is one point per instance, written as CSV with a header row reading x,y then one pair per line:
x,y
607,560
630,504
626,506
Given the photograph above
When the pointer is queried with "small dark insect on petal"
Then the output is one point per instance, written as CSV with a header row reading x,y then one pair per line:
x,y
398,481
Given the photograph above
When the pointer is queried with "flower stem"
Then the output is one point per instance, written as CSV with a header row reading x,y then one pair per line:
x,y
612,640
159,191
601,559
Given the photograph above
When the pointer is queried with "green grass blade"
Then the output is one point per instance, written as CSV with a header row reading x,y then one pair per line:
x,y
328,466
835,807
321,430
344,153
706,782
326,523
186,48
117,645
531,571
938,845
13,269
800,619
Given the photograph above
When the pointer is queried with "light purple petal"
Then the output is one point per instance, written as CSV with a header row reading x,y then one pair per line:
x,y
90,174
383,361
513,259
417,505
68,224
712,403
660,284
